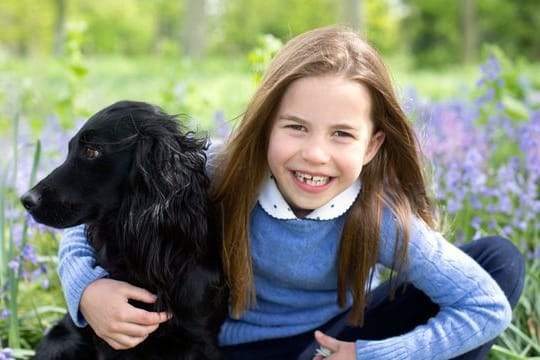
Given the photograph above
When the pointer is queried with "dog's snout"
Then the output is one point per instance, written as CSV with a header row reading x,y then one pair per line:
x,y
31,200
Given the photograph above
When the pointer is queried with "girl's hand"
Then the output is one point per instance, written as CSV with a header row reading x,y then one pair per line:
x,y
104,304
340,350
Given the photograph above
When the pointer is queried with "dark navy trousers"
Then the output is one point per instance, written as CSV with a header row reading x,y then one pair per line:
x,y
410,307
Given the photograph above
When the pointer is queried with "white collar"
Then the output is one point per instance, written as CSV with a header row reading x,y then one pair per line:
x,y
275,205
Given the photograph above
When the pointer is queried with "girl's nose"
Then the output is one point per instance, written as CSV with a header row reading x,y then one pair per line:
x,y
315,152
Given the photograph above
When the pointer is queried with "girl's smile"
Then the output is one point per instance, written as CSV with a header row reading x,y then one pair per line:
x,y
311,183
321,137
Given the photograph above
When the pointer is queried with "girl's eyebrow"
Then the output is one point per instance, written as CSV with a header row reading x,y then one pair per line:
x,y
344,127
291,117
340,126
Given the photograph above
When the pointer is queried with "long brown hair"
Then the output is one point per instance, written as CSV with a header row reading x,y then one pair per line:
x,y
394,177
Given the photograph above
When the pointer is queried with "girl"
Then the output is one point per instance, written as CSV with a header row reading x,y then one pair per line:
x,y
321,182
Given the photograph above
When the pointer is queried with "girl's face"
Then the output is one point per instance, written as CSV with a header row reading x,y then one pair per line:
x,y
321,137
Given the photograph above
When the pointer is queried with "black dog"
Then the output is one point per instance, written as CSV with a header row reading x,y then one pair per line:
x,y
140,185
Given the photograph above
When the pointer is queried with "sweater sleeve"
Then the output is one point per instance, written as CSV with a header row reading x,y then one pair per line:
x,y
473,309
77,269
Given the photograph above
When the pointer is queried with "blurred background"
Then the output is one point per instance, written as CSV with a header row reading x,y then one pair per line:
x,y
193,55
466,72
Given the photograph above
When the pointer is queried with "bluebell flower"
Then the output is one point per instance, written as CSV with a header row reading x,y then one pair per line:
x,y
29,254
4,314
476,222
491,69
13,265
6,354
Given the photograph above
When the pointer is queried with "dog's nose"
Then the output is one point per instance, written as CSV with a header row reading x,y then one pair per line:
x,y
31,200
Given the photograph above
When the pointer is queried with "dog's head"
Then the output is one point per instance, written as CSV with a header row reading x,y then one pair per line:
x,y
128,152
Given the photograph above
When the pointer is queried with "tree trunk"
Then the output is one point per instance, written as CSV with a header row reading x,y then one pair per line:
x,y
59,26
353,15
469,31
194,29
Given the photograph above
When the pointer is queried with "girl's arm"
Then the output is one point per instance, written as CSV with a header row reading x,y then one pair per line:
x,y
77,269
473,309
103,302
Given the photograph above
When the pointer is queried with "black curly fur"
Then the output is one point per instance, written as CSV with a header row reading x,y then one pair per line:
x,y
144,199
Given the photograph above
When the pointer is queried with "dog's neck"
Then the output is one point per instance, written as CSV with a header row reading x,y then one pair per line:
x,y
138,270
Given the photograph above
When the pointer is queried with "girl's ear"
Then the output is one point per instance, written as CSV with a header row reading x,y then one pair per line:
x,y
374,145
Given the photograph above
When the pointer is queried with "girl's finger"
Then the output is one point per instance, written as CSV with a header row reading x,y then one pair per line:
x,y
144,317
137,293
133,330
326,341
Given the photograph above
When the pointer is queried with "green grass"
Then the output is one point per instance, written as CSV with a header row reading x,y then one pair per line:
x,y
198,88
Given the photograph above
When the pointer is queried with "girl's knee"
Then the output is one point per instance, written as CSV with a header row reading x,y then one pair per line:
x,y
503,261
496,249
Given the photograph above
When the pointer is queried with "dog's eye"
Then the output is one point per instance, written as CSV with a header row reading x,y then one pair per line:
x,y
91,153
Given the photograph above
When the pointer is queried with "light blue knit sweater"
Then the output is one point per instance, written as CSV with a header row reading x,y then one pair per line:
x,y
295,279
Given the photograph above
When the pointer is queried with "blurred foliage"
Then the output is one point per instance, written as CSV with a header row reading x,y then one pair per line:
x,y
259,57
432,31
244,19
502,86
383,26
132,49
474,135
77,70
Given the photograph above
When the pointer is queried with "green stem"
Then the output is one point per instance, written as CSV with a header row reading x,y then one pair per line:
x,y
510,355
33,173
3,259
14,340
15,275
13,281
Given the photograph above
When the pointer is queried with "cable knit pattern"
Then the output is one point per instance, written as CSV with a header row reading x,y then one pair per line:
x,y
295,279
77,269
473,309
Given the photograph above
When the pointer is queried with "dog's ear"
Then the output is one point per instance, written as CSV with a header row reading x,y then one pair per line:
x,y
168,200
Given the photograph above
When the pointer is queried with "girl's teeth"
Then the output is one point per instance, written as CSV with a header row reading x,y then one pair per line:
x,y
311,180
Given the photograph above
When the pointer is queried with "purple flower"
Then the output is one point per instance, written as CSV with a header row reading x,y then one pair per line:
x,y
487,97
476,203
4,314
529,136
45,284
491,69
453,205
476,222
6,354
29,254
507,230
13,265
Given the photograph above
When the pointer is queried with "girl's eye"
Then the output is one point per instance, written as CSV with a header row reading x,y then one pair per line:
x,y
91,153
342,134
296,127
